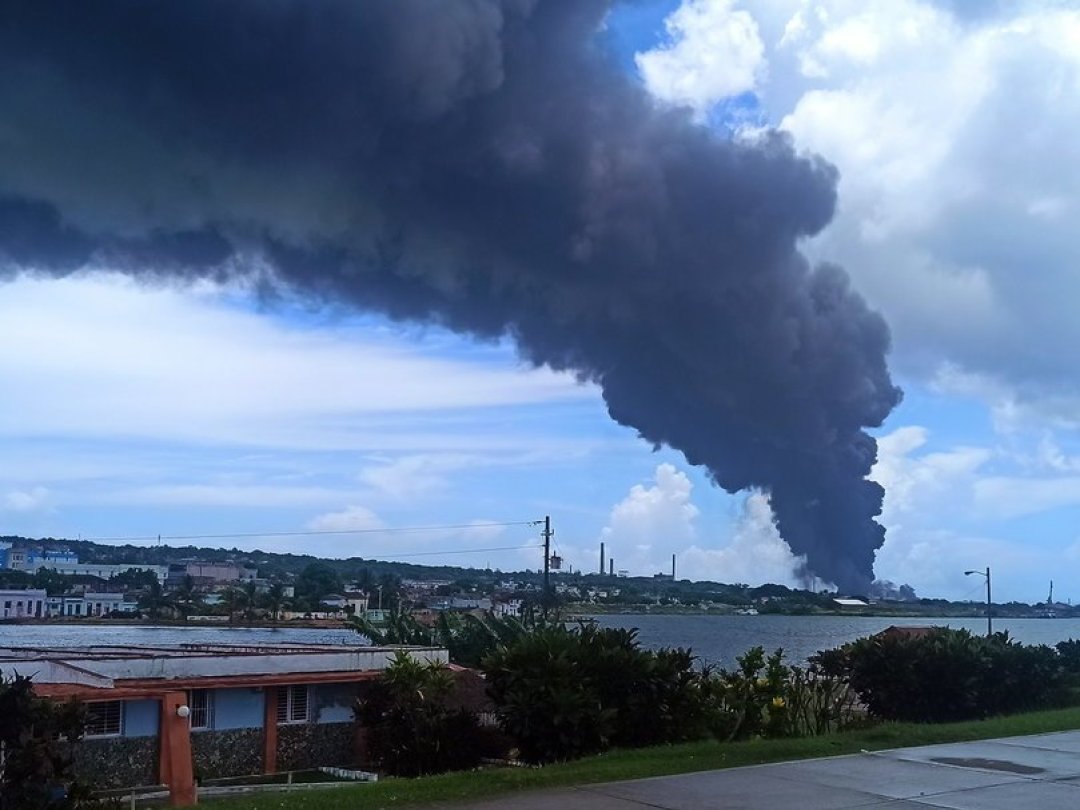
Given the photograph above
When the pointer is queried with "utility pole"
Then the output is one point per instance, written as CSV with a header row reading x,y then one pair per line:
x,y
547,562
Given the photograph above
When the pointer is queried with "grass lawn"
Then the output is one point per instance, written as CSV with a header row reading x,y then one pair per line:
x,y
644,762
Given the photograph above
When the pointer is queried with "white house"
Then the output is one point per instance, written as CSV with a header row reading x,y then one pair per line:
x,y
29,603
90,604
511,607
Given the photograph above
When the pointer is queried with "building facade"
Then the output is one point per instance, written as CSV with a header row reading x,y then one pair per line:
x,y
90,604
207,574
29,603
169,715
99,570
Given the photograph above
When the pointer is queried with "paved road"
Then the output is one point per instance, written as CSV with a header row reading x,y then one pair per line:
x,y
1014,773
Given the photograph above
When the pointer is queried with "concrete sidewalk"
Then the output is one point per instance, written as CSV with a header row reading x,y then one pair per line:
x,y
1014,773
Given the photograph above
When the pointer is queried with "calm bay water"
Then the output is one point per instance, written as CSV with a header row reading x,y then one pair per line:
x,y
715,639
718,639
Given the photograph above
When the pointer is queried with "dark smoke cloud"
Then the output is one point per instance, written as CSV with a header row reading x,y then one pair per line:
x,y
480,164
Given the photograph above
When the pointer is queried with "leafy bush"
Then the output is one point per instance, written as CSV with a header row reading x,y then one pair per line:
x,y
35,770
1069,655
562,693
763,697
411,730
949,675
819,703
547,699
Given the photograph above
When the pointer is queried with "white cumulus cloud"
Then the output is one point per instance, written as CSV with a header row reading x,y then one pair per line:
x,y
953,128
713,52
755,555
650,521
24,500
655,520
349,519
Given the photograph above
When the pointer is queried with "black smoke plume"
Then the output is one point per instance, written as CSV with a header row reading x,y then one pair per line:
x,y
480,164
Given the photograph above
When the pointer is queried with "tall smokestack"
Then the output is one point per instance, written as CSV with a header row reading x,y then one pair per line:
x,y
672,567
482,165
601,558
611,570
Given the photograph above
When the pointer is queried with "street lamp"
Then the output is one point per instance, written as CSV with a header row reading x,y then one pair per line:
x,y
989,620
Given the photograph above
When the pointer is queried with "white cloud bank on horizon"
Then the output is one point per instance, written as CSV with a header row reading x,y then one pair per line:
x,y
102,357
944,510
658,519
125,405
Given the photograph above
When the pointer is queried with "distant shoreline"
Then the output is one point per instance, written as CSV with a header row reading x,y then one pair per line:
x,y
939,612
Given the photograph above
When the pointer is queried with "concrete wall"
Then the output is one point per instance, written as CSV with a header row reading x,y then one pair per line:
x,y
141,718
238,708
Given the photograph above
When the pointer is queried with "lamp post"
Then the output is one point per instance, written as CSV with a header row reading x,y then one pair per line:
x,y
989,609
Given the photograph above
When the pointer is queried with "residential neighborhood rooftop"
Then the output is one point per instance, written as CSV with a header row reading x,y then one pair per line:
x,y
88,670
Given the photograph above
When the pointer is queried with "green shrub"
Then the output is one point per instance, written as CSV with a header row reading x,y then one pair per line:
x,y
36,766
819,703
948,675
562,693
411,731
763,697
1069,653
547,699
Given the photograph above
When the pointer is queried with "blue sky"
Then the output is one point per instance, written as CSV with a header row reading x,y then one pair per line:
x,y
277,419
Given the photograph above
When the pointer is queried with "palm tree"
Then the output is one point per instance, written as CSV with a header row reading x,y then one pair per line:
x,y
275,600
187,599
251,598
156,602
233,598
400,628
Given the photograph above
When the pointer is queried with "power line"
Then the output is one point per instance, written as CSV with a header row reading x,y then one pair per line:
x,y
241,535
467,551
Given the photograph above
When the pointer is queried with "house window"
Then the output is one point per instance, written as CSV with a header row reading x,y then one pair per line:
x,y
292,704
104,719
201,703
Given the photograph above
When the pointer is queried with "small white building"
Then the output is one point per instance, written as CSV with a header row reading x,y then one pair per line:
x,y
90,604
511,607
28,603
356,603
850,602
